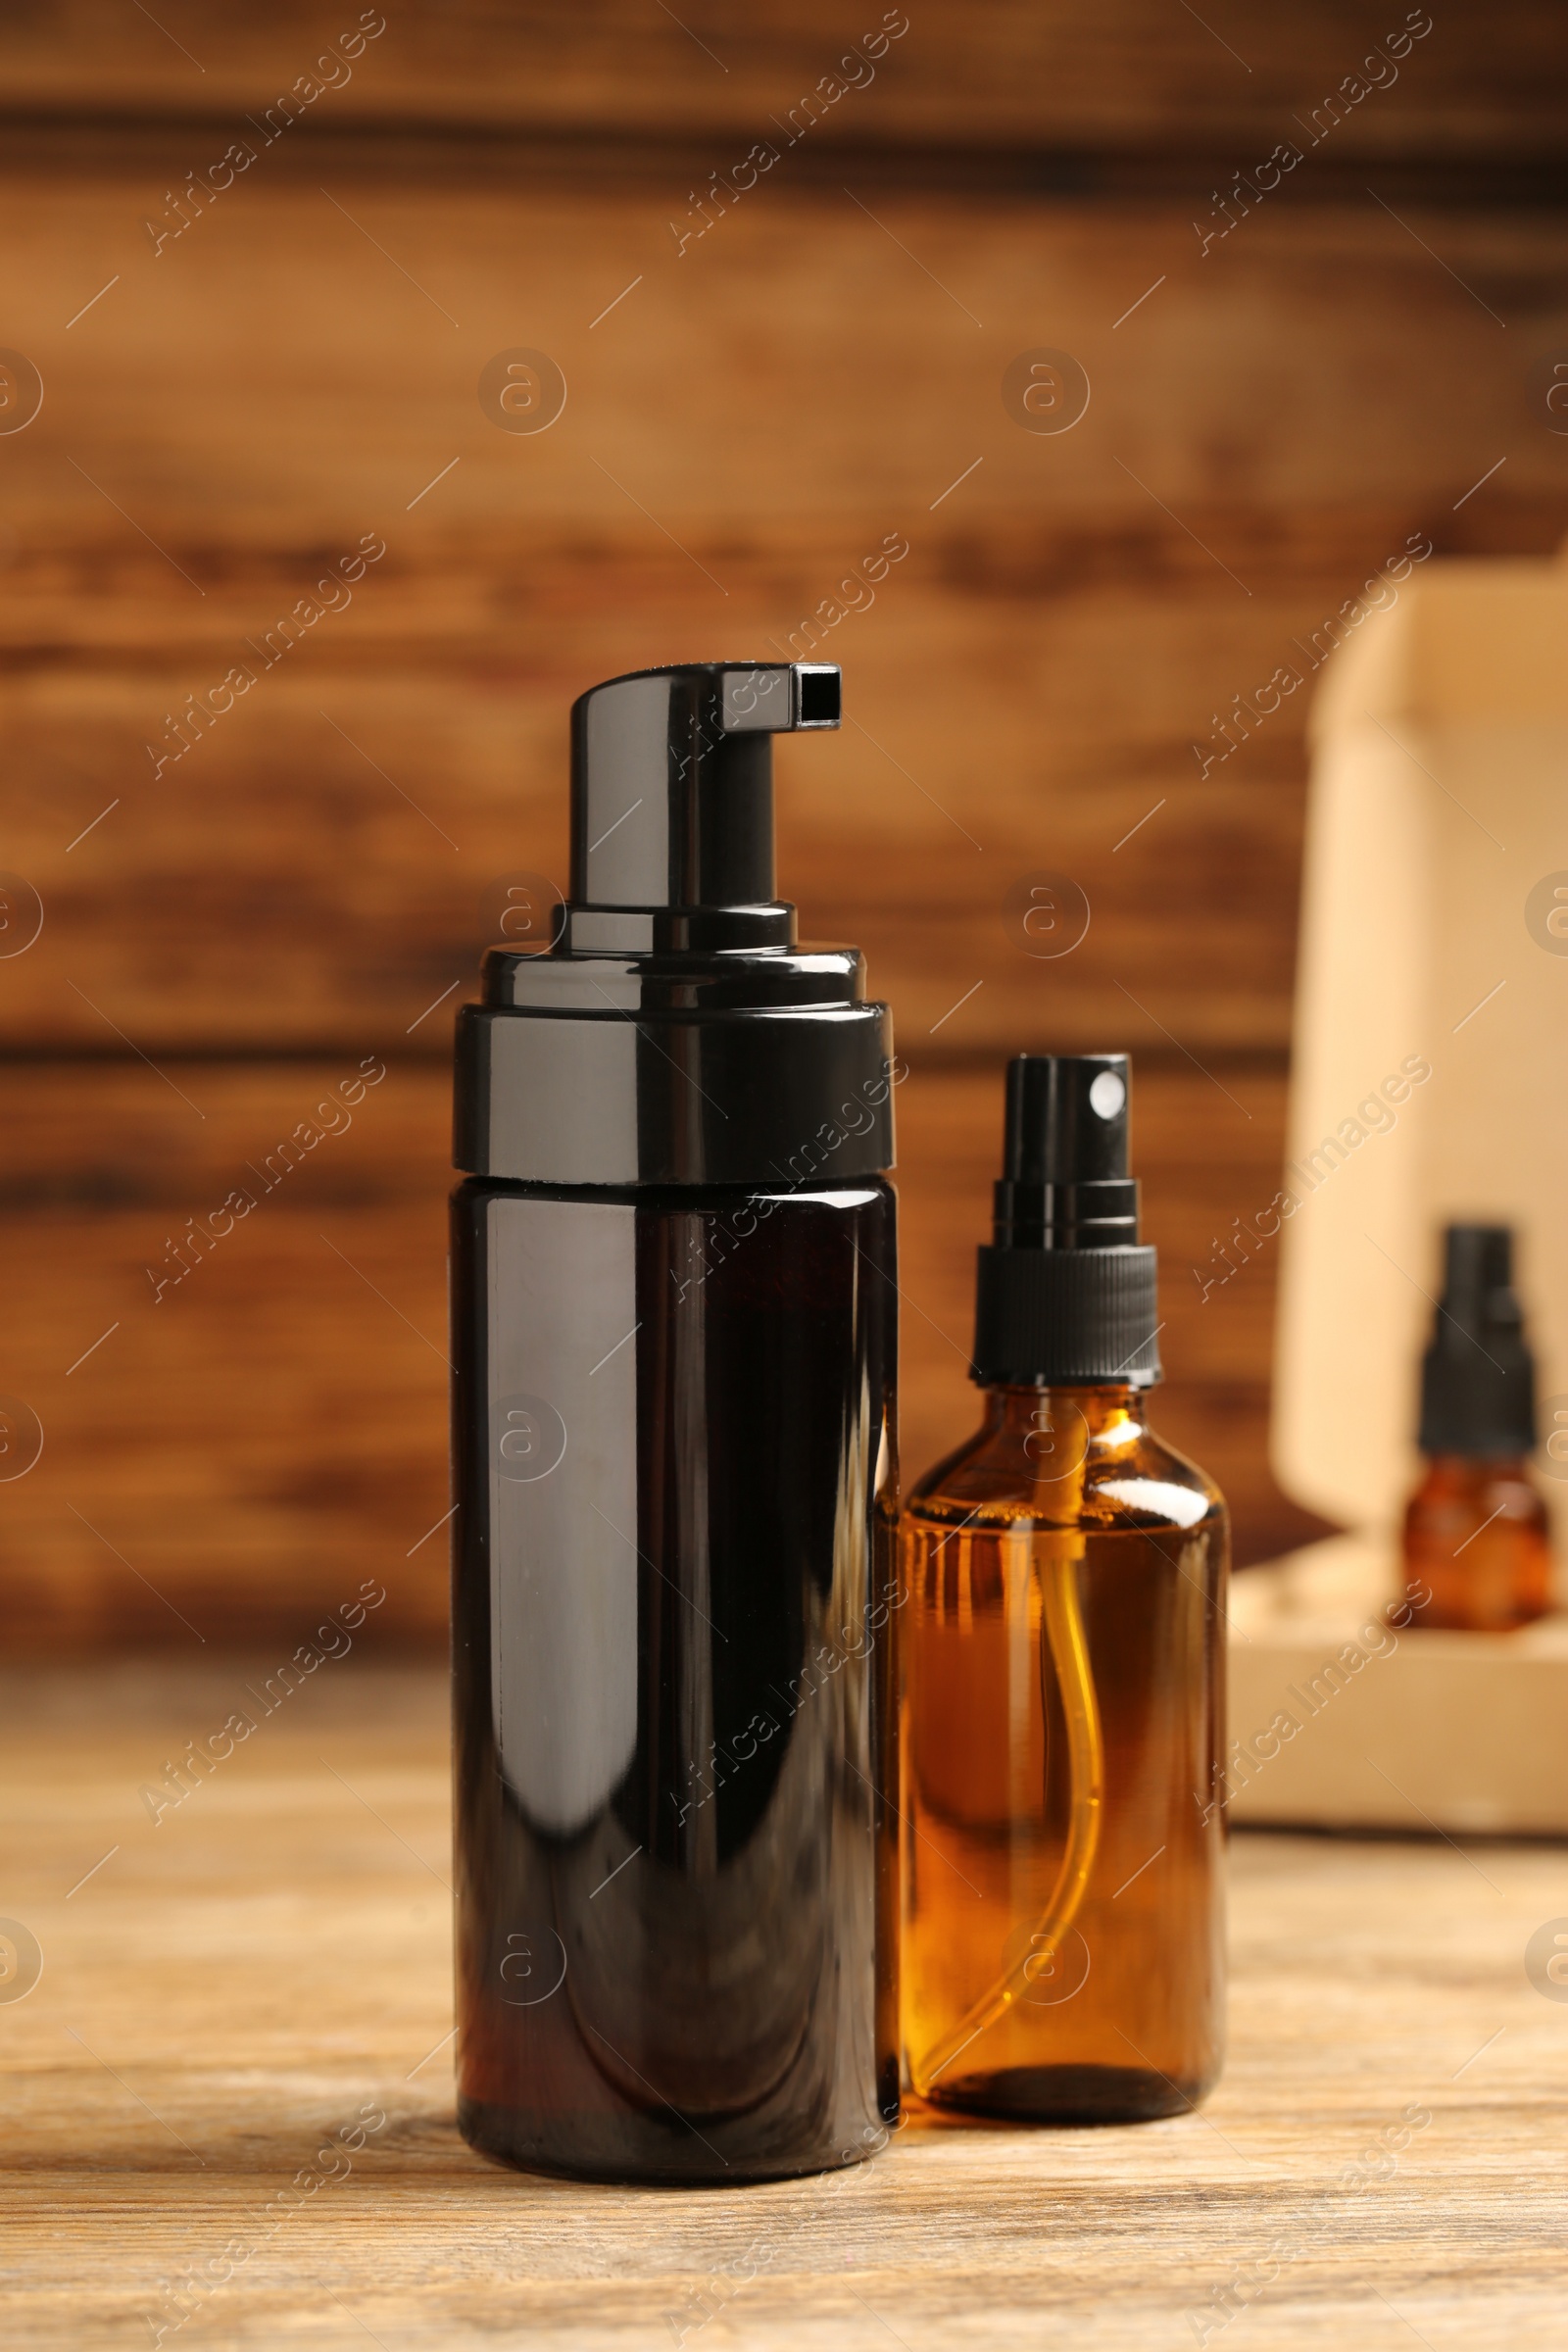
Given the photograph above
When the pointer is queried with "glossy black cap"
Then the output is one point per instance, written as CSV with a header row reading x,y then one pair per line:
x,y
674,1032
1067,1294
1478,1377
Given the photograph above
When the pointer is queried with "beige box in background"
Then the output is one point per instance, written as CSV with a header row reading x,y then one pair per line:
x,y
1341,1719
1430,1083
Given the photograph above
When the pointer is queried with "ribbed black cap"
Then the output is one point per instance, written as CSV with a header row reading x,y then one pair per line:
x,y
1478,1377
1065,1293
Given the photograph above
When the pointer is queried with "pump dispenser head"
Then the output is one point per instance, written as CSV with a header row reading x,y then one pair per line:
x,y
672,797
674,1032
1478,1377
1067,1294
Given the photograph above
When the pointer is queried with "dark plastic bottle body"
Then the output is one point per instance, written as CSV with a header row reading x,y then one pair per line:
x,y
676,1906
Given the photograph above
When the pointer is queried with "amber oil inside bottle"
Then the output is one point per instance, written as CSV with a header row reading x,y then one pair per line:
x,y
1061,1588
1477,1553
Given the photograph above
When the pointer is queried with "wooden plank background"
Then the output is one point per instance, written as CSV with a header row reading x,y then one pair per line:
x,y
228,935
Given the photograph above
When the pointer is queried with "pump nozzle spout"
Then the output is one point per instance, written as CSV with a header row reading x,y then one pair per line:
x,y
672,781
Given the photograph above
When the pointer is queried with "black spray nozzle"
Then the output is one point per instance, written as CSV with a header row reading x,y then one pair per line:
x,y
1064,1183
1066,1292
1478,1278
672,781
1478,1377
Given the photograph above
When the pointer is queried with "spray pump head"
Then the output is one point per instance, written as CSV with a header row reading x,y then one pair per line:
x,y
1478,1377
1067,1294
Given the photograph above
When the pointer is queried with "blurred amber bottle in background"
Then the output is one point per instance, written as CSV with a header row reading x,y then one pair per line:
x,y
1477,1545
1063,1580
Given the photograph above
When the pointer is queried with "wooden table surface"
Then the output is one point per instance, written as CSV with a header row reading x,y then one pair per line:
x,y
235,1984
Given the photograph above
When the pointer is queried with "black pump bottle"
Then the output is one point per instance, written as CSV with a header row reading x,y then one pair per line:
x,y
674,1342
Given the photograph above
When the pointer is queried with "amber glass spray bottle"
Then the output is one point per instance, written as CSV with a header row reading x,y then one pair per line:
x,y
674,1293
1477,1555
1061,1593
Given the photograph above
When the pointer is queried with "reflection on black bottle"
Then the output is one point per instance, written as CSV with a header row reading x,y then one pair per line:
x,y
670,1621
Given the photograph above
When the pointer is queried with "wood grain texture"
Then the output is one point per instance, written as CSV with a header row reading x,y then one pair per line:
x,y
270,378
271,1961
1135,74
226,410
249,1443
274,1422
1030,683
